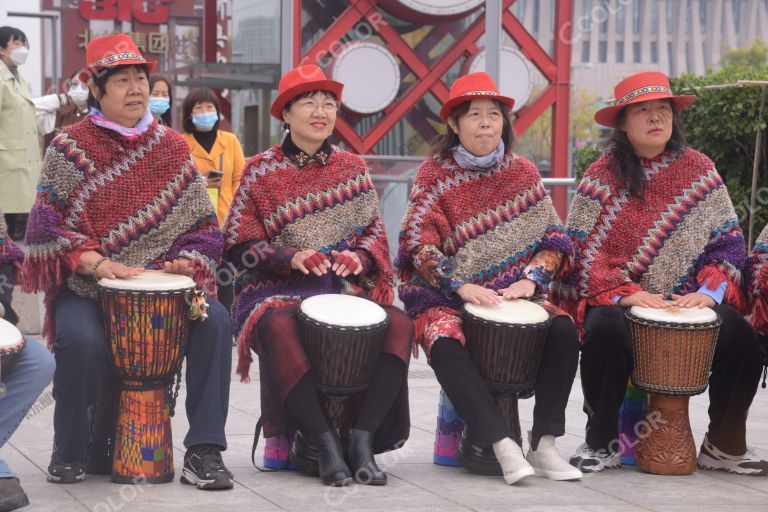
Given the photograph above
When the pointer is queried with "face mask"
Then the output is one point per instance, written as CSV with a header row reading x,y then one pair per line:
x,y
78,94
205,122
19,55
159,106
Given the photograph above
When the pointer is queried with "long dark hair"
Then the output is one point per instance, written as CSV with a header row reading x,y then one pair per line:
x,y
625,163
442,144
166,116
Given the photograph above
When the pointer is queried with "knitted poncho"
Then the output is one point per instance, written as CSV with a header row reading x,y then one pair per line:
x,y
9,252
682,235
490,228
139,201
281,208
756,280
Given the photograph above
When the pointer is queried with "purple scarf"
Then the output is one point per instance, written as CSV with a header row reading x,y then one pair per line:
x,y
142,126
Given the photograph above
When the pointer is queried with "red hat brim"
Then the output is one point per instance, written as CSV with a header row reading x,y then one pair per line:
x,y
451,104
607,116
286,96
86,74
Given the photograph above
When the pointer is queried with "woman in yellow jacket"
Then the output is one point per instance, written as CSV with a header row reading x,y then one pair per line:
x,y
217,154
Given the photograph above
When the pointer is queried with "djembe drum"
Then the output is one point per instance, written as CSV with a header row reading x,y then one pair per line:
x,y
11,343
343,337
505,342
673,350
147,323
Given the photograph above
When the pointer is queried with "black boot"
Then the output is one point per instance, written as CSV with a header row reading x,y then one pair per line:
x,y
330,459
303,454
361,461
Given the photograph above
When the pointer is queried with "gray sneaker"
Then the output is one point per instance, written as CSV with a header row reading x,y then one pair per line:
x,y
593,461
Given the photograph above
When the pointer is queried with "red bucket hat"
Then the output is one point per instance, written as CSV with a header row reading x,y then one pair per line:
x,y
300,80
111,51
647,86
478,85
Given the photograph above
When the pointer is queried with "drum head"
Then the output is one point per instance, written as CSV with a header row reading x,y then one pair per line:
x,y
514,312
150,281
675,315
10,337
343,310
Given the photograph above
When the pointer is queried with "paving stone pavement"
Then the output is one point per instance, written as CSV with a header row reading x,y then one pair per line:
x,y
414,482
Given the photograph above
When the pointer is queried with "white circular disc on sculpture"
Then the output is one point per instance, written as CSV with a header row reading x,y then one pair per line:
x,y
370,74
441,7
516,74
675,315
150,281
515,312
10,336
343,310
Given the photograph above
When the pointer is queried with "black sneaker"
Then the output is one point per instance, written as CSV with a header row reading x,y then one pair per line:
x,y
204,468
66,472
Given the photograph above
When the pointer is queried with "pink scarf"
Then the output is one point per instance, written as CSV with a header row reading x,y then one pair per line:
x,y
143,125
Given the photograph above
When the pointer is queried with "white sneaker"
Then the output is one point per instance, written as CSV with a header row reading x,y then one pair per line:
x,y
513,463
593,461
548,462
710,457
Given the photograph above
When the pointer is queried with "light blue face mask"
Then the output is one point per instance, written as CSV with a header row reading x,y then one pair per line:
x,y
205,122
159,106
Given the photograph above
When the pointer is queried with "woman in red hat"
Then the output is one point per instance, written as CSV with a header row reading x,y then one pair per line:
x,y
481,228
119,195
305,221
653,226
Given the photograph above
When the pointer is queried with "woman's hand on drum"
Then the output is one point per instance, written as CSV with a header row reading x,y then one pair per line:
x,y
345,263
693,300
476,294
180,266
644,300
310,260
522,289
114,270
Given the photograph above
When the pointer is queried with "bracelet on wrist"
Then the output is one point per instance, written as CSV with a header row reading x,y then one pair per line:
x,y
96,266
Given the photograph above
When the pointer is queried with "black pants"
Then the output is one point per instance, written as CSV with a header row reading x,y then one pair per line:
x,y
469,393
83,365
606,363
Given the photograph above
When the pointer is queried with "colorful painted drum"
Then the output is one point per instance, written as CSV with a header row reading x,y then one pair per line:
x,y
343,337
448,432
11,343
673,350
147,323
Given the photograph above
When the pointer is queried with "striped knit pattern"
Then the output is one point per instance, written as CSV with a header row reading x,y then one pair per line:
x,y
681,235
756,280
488,224
322,207
140,202
9,252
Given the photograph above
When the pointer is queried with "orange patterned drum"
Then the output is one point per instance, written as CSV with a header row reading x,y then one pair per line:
x,y
147,323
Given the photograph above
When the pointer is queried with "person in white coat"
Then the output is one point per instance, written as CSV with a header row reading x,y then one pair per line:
x,y
20,153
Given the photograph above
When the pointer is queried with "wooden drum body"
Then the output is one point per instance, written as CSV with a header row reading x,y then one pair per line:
x,y
506,342
673,350
343,337
147,323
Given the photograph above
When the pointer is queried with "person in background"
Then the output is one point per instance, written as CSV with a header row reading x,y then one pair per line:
x,y
20,162
161,100
57,111
219,157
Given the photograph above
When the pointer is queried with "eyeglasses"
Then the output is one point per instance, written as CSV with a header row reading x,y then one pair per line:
x,y
311,106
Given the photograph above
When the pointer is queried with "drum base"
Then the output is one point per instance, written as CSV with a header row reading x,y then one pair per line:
x,y
666,444
143,442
